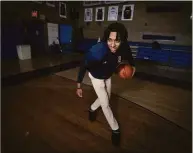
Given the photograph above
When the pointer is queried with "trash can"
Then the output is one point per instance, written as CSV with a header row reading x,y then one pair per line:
x,y
24,52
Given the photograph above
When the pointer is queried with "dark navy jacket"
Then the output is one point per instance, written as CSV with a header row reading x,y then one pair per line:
x,y
102,63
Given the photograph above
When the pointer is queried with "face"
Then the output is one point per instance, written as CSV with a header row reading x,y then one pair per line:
x,y
112,42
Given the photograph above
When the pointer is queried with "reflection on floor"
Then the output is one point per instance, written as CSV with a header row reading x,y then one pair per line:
x,y
14,67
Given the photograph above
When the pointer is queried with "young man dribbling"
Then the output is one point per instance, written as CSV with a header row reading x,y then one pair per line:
x,y
102,61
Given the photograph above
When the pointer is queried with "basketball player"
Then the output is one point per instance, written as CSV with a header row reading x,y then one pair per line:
x,y
101,61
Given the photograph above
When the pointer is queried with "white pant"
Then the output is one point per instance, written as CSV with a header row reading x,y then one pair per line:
x,y
103,91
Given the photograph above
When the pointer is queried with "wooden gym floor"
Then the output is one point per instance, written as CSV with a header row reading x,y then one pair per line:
x,y
44,115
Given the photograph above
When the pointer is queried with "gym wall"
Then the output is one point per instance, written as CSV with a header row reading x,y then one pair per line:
x,y
15,11
176,23
16,15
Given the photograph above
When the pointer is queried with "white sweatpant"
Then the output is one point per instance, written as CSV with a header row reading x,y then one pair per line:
x,y
103,91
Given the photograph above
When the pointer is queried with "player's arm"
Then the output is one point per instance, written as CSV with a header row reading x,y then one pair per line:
x,y
84,66
81,73
127,57
130,59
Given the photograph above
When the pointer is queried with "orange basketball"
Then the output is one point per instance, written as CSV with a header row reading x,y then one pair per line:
x,y
125,71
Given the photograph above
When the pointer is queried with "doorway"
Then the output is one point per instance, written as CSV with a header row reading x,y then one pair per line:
x,y
34,35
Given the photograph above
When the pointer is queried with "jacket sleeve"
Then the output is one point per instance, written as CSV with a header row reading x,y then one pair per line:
x,y
127,55
82,71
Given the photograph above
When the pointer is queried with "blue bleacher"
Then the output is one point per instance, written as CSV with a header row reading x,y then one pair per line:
x,y
171,55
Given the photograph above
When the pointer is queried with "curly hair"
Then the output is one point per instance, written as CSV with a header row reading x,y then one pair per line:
x,y
121,30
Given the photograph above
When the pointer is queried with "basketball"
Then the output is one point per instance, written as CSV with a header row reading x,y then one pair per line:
x,y
125,71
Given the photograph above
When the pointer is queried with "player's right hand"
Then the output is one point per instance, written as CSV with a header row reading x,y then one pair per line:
x,y
79,92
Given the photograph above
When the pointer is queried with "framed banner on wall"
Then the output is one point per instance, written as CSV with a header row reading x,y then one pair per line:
x,y
100,14
62,9
127,12
113,13
88,13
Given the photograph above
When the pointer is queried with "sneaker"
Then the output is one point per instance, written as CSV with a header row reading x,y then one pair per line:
x,y
92,115
116,137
